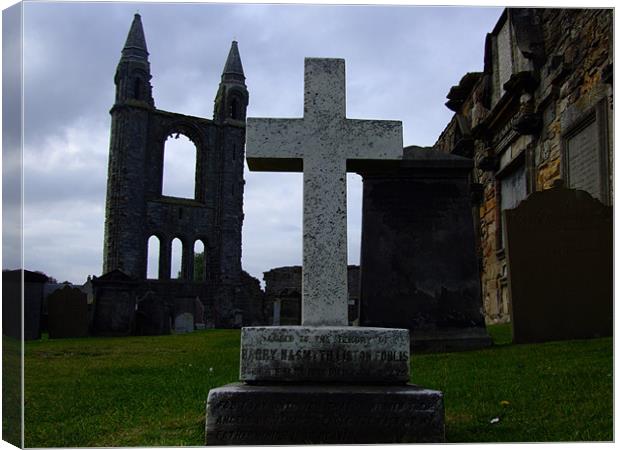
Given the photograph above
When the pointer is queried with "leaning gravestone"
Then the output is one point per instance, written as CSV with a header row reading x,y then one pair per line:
x,y
199,314
323,382
560,262
67,313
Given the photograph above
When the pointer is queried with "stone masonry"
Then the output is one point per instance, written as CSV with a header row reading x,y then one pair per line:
x,y
136,208
539,114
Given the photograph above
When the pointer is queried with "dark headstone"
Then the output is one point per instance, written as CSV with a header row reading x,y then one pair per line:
x,y
115,304
419,268
67,313
319,414
12,304
33,301
152,316
560,260
12,288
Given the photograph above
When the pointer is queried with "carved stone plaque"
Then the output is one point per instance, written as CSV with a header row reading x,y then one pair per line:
x,y
351,354
583,160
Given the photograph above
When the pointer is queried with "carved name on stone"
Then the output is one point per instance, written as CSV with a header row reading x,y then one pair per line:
x,y
324,354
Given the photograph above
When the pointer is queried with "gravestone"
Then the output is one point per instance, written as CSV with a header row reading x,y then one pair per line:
x,y
183,314
115,304
16,283
184,323
152,316
199,314
419,268
323,382
12,307
67,313
560,262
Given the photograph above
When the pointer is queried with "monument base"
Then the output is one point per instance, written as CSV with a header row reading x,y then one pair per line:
x,y
241,414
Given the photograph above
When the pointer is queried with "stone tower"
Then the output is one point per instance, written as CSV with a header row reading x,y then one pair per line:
x,y
136,208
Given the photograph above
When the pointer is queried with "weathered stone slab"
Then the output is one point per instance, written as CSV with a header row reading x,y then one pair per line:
x,y
323,414
184,323
327,354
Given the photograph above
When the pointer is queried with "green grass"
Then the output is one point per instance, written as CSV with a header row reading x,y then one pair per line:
x,y
146,391
556,391
11,389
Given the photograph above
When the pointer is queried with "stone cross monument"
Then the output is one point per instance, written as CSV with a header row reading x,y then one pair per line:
x,y
323,382
322,143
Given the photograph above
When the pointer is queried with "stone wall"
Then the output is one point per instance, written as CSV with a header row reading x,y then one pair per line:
x,y
539,114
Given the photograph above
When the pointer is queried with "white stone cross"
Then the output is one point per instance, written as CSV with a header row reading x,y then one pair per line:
x,y
323,144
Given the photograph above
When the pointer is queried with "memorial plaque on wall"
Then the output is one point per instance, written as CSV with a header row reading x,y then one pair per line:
x,y
583,160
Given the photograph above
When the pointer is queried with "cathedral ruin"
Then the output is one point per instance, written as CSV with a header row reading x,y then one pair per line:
x,y
137,209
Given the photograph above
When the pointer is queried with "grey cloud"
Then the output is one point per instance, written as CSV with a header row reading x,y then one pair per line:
x,y
401,62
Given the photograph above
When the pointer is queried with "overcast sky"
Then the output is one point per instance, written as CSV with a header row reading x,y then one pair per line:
x,y
400,63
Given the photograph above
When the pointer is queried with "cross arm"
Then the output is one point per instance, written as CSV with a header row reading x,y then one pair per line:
x,y
275,145
372,143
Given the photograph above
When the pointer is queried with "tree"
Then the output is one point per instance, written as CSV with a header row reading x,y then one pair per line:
x,y
199,267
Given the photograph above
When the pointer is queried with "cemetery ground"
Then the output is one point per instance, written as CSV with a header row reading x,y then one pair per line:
x,y
151,391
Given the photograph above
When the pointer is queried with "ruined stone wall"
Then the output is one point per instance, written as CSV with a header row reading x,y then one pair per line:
x,y
137,209
523,114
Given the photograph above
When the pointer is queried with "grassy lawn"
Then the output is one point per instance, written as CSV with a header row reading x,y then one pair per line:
x,y
146,391
11,388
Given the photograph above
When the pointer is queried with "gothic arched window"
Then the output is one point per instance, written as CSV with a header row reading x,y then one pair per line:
x,y
179,171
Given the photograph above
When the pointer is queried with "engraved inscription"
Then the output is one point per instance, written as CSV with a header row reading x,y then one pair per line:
x,y
313,417
266,354
299,353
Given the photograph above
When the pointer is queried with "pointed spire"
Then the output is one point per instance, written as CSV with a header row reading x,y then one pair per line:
x,y
231,100
135,46
233,70
133,73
